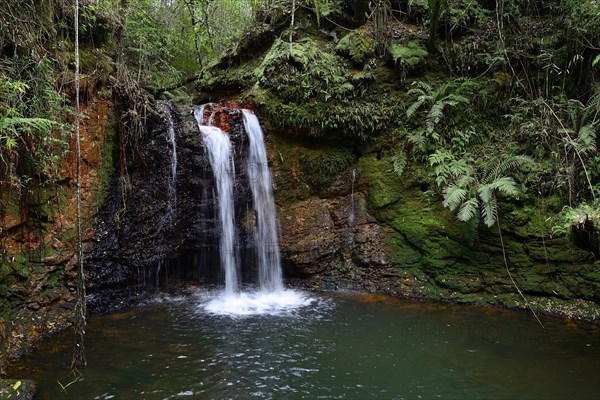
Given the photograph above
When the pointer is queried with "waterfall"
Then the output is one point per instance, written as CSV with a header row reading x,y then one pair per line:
x,y
172,188
218,150
259,176
199,114
272,297
351,216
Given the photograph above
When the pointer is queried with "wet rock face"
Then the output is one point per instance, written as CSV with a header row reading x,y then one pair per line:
x,y
328,242
333,243
137,241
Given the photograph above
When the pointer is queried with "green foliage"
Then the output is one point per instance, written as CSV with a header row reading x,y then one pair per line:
x,y
409,55
464,14
321,170
359,44
304,72
449,94
470,188
308,87
399,162
580,136
33,137
572,217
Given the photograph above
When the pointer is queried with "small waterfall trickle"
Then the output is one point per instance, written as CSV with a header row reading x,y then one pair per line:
x,y
351,216
199,114
259,176
218,150
172,187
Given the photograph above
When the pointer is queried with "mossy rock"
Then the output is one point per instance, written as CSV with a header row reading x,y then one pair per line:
x,y
384,186
302,168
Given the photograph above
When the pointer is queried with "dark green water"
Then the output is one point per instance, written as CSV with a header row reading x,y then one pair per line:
x,y
344,346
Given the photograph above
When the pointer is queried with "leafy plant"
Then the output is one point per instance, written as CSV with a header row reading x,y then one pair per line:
x,y
573,217
472,190
359,44
436,100
399,162
33,138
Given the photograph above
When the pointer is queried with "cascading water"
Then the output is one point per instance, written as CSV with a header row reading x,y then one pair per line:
x,y
259,176
172,188
272,298
351,216
218,150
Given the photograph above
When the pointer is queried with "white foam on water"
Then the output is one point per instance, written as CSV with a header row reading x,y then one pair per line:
x,y
257,303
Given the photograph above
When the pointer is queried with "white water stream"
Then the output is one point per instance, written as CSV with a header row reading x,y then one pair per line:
x,y
272,297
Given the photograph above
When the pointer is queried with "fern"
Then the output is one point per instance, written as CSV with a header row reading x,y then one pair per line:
x,y
435,114
400,163
489,212
454,196
437,99
414,107
417,138
505,185
586,138
485,193
468,210
462,179
440,156
25,123
471,190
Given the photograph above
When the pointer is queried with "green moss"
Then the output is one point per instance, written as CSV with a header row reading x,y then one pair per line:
x,y
304,71
310,88
321,168
109,154
51,201
401,253
302,168
384,186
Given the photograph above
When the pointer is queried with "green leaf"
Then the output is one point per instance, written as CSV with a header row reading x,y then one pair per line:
x,y
468,210
489,212
399,163
454,196
485,193
505,185
410,111
596,60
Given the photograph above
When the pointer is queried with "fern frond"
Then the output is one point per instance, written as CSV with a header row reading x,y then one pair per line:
x,y
420,86
468,210
586,137
26,123
417,138
505,185
457,98
454,196
485,192
440,156
440,91
504,164
399,163
435,115
489,212
464,180
462,167
414,107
